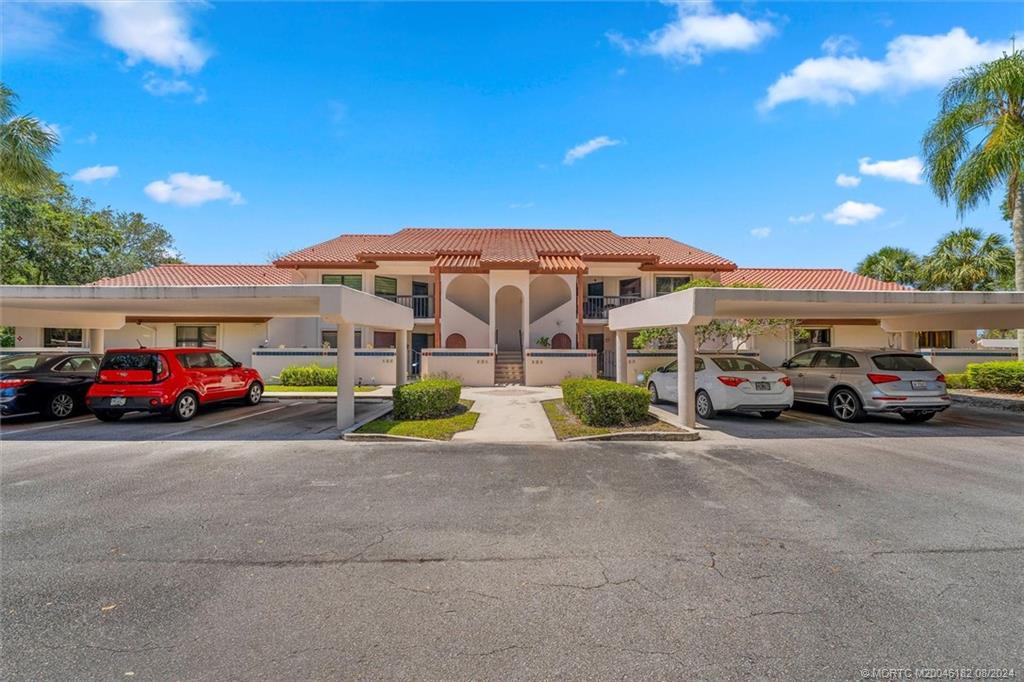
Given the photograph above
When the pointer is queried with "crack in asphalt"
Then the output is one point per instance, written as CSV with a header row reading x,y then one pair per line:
x,y
949,550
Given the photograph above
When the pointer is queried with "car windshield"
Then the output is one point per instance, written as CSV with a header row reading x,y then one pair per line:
x,y
904,363
130,361
741,365
21,362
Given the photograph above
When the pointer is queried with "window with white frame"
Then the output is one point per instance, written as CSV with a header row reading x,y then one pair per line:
x,y
351,281
56,337
195,336
329,337
666,285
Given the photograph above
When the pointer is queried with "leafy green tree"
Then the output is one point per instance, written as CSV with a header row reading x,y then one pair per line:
x,y
26,146
892,264
54,237
975,146
968,260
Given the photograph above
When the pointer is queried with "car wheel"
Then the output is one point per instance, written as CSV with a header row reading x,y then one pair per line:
x,y
653,390
255,393
105,416
705,410
846,406
185,407
770,414
60,406
917,417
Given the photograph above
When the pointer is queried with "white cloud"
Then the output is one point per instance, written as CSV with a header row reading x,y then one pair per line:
x,y
698,29
88,139
185,189
844,180
157,32
801,219
911,62
904,170
853,212
761,232
94,173
162,87
587,148
26,28
839,44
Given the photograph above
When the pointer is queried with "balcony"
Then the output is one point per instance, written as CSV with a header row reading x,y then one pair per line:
x,y
422,304
597,307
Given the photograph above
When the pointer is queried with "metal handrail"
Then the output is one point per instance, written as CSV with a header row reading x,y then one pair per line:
x,y
597,307
422,304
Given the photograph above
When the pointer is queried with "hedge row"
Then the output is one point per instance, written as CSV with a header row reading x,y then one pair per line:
x,y
426,399
1005,377
309,375
598,402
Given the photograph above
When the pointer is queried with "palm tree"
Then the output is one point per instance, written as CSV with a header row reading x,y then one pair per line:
x,y
26,146
967,260
892,264
976,146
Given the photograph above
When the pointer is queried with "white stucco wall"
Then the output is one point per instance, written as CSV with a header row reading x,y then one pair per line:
x,y
543,367
471,366
372,367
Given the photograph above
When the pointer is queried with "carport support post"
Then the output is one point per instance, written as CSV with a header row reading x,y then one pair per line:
x,y
96,341
346,370
685,384
908,340
620,357
401,357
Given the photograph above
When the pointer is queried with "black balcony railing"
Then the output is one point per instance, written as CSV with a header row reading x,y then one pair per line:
x,y
422,304
597,307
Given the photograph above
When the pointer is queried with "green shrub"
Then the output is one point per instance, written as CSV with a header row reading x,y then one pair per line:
x,y
597,402
426,399
1007,376
957,380
309,375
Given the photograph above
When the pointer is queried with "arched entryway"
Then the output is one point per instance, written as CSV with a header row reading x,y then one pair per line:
x,y
455,341
508,318
561,341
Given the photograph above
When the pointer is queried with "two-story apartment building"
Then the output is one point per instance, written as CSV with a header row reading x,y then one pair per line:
x,y
498,289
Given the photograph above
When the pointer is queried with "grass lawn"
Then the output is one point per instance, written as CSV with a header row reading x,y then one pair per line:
x,y
278,388
566,425
436,429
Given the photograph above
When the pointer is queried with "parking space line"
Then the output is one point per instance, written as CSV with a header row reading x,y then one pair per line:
x,y
54,425
833,424
210,426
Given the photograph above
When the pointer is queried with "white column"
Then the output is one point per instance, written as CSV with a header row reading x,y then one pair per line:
x,y
527,341
493,311
685,388
908,340
96,341
346,371
402,357
620,358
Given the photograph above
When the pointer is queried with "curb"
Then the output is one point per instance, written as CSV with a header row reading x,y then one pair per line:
x,y
666,436
385,437
987,402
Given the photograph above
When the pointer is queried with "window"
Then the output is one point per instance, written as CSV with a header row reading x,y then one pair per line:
x,y
195,360
222,360
330,337
629,288
805,338
903,363
384,339
672,367
385,286
196,336
801,360
84,363
741,365
935,339
62,338
16,362
128,361
835,359
698,364
666,285
351,281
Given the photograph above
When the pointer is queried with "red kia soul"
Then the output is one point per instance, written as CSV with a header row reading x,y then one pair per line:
x,y
172,381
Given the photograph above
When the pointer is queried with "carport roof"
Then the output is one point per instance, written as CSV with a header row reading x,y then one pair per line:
x,y
897,310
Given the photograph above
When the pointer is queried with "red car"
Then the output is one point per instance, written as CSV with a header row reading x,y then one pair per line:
x,y
172,381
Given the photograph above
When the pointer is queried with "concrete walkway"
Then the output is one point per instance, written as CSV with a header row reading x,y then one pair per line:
x,y
509,414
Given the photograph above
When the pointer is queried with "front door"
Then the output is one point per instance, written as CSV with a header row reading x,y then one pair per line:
x,y
419,342
596,342
798,368
232,378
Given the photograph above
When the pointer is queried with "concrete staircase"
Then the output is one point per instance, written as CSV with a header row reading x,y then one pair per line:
x,y
508,367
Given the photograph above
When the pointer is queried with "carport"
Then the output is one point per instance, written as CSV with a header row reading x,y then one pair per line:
x,y
906,312
101,308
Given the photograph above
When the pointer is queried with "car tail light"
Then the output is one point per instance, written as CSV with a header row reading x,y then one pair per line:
x,y
15,383
732,381
154,402
882,378
941,378
786,381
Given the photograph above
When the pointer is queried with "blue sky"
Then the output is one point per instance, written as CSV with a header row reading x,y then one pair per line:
x,y
253,128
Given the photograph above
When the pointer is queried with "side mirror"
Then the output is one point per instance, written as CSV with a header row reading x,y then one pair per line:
x,y
236,365
659,369
787,364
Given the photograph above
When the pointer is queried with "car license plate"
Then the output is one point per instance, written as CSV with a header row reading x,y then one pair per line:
x,y
918,385
762,385
117,402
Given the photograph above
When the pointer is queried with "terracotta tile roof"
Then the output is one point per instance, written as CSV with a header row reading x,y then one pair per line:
x,y
454,262
561,264
504,247
808,278
204,275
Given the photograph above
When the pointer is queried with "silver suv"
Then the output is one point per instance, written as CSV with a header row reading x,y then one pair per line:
x,y
856,381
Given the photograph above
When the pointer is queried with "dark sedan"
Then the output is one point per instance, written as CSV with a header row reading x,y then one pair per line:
x,y
52,384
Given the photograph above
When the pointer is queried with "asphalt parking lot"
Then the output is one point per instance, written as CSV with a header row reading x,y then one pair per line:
x,y
255,545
